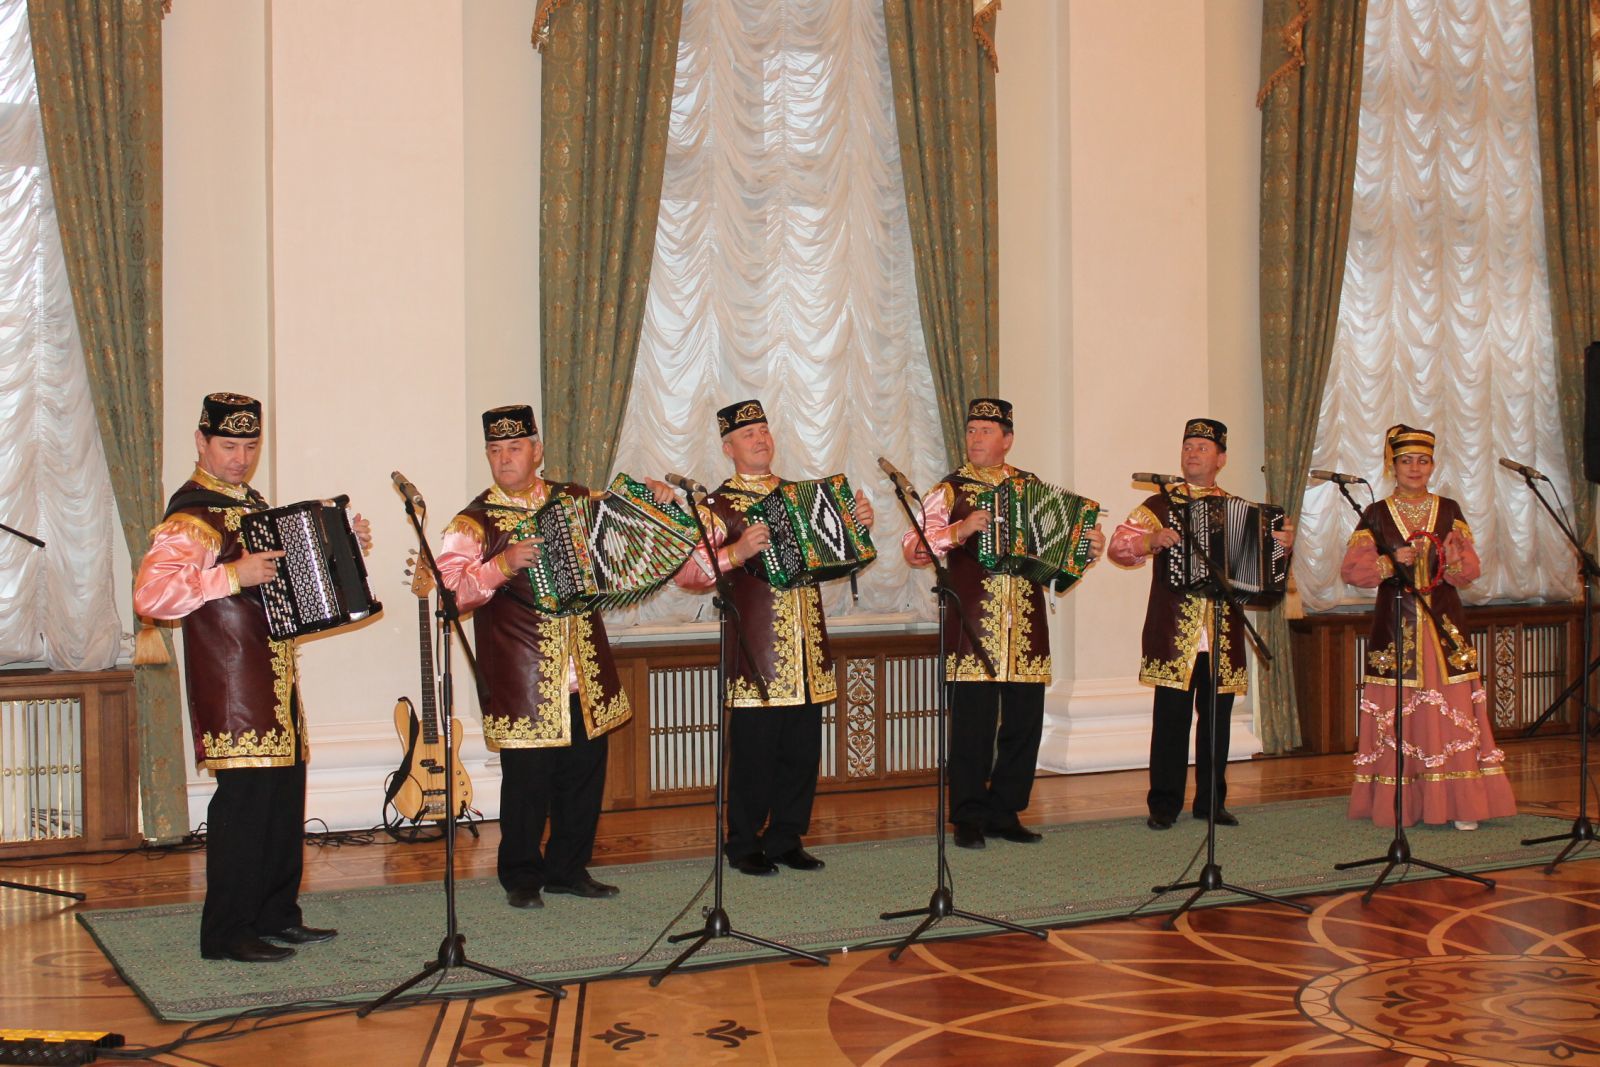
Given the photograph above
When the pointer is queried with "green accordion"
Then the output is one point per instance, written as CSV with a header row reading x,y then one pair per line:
x,y
815,535
1040,531
606,552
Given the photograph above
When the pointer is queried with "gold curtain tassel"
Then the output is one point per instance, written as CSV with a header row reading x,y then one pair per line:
x,y
149,650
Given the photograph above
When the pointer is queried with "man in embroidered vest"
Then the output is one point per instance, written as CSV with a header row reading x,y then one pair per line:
x,y
1178,643
991,778
551,687
775,744
244,704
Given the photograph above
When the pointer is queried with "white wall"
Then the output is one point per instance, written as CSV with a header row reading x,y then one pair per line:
x,y
1129,151
352,235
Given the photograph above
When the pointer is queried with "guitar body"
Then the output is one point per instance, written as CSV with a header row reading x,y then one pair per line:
x,y
421,795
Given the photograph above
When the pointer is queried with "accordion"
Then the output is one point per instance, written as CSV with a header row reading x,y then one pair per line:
x,y
606,552
322,579
1040,531
1238,536
815,535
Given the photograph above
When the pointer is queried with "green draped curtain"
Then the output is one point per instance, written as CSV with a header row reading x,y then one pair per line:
x,y
1310,117
607,81
99,73
1563,69
945,110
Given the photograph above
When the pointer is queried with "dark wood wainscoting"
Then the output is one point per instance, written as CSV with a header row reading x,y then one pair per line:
x,y
1527,653
880,733
69,762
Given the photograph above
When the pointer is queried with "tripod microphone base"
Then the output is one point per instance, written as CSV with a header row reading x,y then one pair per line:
x,y
718,925
1400,853
1582,833
1210,881
43,889
942,906
453,953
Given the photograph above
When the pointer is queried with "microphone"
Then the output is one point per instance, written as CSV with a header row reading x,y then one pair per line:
x,y
1339,479
901,482
1522,469
1158,479
688,485
407,490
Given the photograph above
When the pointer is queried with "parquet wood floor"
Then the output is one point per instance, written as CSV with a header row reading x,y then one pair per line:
x,y
1435,971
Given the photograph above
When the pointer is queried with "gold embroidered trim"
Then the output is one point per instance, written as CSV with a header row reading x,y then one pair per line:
x,y
191,526
466,524
206,480
1447,776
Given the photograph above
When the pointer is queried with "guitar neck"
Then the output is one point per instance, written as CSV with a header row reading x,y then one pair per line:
x,y
430,709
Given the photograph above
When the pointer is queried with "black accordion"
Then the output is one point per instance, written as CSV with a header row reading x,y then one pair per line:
x,y
1238,536
322,579
815,535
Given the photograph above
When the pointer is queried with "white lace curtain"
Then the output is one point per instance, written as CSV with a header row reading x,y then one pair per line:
x,y
1444,321
783,271
57,604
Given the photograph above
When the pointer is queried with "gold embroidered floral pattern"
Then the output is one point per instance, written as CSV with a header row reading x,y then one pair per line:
x,y
275,748
787,686
466,524
819,671
600,715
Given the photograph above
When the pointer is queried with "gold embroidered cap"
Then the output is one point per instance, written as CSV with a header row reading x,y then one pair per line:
x,y
991,408
230,415
744,413
1208,430
509,422
1400,440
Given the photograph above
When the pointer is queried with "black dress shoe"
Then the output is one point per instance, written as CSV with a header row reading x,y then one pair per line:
x,y
524,898
1020,834
302,935
753,863
583,887
1159,822
251,949
1224,817
968,835
801,860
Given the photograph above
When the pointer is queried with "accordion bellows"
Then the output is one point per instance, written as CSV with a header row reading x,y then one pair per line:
x,y
815,535
322,580
1039,531
605,553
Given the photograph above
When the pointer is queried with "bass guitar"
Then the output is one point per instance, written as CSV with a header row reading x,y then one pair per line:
x,y
421,790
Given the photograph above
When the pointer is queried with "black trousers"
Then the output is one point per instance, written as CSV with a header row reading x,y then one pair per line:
x,y
773,755
1169,744
255,833
562,787
991,779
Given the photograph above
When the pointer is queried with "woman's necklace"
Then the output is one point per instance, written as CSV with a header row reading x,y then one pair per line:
x,y
1415,513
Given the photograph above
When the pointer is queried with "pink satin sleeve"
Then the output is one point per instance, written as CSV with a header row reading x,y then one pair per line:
x,y
176,576
1360,566
1462,565
935,522
1127,545
462,569
696,575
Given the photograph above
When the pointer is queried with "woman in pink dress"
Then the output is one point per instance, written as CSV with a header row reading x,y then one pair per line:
x,y
1453,770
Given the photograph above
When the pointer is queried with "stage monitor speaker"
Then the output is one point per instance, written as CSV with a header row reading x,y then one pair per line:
x,y
1591,411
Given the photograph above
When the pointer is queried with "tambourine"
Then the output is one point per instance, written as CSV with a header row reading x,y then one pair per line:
x,y
1438,548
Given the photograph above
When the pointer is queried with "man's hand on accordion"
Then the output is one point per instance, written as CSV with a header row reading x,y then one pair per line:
x,y
972,525
1162,540
1285,536
660,491
520,555
864,512
751,543
1097,543
256,568
363,530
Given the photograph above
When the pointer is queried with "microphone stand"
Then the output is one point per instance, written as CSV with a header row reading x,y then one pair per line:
x,y
1399,850
452,950
717,923
941,904
36,543
1217,590
1582,830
